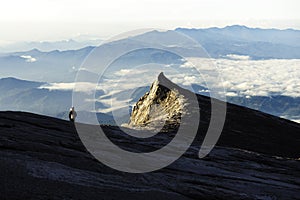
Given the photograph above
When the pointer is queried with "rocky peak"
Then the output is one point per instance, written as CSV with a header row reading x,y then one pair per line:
x,y
162,105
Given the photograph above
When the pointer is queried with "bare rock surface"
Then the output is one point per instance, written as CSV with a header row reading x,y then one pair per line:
x,y
256,157
158,106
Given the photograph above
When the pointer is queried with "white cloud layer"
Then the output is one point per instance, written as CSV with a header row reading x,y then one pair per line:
x,y
238,57
28,58
239,78
256,77
113,104
80,86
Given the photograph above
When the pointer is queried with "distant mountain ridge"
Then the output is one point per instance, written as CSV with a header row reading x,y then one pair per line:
x,y
255,42
61,66
276,36
53,66
62,45
26,96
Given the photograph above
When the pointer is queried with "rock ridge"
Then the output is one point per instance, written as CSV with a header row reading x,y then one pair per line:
x,y
163,104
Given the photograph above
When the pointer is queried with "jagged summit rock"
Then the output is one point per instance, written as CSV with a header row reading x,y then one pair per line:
x,y
163,104
168,107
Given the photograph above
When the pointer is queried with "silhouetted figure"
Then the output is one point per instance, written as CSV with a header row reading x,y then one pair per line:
x,y
72,114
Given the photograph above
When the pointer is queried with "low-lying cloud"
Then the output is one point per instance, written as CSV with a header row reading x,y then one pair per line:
x,y
79,86
238,57
241,77
261,77
28,58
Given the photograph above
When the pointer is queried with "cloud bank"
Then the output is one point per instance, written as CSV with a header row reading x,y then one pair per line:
x,y
29,59
239,77
80,86
238,57
261,77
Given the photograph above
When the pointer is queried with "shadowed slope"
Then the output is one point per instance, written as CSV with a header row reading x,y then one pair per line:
x,y
256,158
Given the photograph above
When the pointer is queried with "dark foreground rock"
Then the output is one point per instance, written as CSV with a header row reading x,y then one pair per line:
x,y
43,158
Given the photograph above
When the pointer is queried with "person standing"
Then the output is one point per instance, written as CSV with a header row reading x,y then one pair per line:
x,y
72,114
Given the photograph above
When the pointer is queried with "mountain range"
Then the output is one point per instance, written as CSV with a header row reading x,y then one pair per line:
x,y
60,65
59,68
63,45
255,42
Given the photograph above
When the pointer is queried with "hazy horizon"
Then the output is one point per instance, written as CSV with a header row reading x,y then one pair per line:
x,y
86,39
35,20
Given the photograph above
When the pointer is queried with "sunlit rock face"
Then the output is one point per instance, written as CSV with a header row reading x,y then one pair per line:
x,y
163,104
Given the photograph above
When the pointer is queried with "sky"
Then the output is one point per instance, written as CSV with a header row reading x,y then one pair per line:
x,y
40,20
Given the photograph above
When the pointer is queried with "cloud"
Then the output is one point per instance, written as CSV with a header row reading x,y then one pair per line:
x,y
113,104
238,57
80,86
129,72
28,58
296,120
123,72
187,64
254,77
239,78
231,94
188,80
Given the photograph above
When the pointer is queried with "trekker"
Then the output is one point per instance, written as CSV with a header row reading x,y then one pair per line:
x,y
72,114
